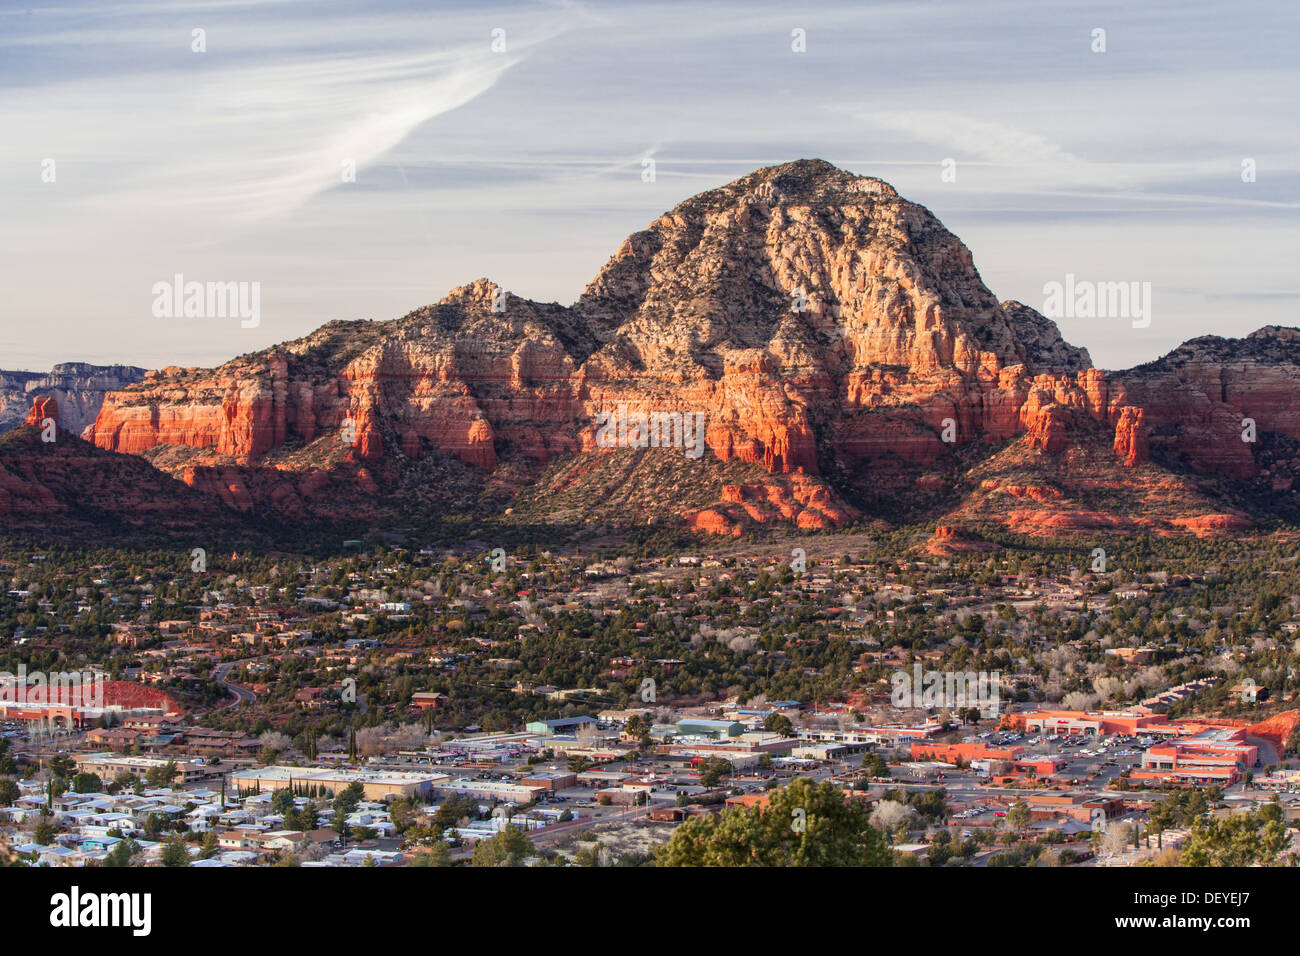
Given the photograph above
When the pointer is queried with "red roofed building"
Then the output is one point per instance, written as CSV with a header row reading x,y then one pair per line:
x,y
1215,756
962,753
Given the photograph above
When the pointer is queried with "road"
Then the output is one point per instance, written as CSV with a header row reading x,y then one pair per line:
x,y
242,694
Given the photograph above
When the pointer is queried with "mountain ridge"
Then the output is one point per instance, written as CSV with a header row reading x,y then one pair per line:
x,y
836,338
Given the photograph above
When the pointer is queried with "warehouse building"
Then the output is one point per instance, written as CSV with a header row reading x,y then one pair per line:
x,y
375,784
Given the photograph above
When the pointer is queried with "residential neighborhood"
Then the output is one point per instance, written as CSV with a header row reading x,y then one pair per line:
x,y
399,708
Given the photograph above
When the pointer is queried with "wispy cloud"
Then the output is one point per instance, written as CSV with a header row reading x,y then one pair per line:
x,y
260,143
231,145
526,165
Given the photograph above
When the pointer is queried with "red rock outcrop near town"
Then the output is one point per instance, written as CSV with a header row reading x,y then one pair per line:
x,y
1276,729
949,540
65,486
814,324
1131,436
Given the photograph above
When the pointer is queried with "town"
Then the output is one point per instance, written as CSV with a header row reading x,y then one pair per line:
x,y
610,704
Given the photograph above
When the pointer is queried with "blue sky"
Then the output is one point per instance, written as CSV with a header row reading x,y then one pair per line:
x,y
525,165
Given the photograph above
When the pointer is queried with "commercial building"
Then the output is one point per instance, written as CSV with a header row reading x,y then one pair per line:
x,y
559,725
1087,722
375,784
490,790
1217,755
963,753
710,728
551,780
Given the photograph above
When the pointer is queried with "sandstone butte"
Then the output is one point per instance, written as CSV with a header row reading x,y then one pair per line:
x,y
43,408
832,333
68,487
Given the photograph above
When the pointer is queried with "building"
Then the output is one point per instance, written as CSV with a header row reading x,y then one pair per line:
x,y
1089,722
1085,808
109,766
551,780
224,743
710,728
1218,755
559,725
375,784
963,753
490,790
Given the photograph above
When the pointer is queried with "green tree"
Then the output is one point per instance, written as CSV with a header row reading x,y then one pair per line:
x,y
1018,815
578,763
162,776
282,801
714,770
121,853
508,848
87,783
636,726
455,808
779,724
875,765
345,802
438,854
174,852
1255,837
7,766
931,804
804,824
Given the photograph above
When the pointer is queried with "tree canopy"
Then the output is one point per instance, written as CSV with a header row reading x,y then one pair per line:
x,y
804,824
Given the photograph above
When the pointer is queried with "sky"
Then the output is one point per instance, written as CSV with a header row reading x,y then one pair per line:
x,y
509,140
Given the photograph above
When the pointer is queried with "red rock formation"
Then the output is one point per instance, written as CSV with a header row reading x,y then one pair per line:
x,y
1216,524
1198,399
1276,729
1131,436
812,322
948,540
43,407
800,498
1049,429
713,522
1038,493
70,488
78,387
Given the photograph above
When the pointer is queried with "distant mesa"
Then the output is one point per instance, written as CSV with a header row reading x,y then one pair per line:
x,y
78,387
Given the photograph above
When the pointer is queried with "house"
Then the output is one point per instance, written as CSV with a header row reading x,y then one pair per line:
x,y
240,839
115,740
284,840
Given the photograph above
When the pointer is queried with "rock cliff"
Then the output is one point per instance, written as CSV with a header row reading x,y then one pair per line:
x,y
78,387
829,341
